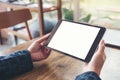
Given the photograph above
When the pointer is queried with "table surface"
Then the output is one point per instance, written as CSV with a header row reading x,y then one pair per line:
x,y
62,67
31,7
16,6
56,67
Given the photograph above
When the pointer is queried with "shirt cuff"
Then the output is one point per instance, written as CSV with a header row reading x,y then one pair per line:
x,y
90,75
15,64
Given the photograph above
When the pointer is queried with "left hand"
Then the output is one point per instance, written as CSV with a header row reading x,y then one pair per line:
x,y
37,50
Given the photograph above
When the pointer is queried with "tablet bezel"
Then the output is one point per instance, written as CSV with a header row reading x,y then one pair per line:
x,y
93,47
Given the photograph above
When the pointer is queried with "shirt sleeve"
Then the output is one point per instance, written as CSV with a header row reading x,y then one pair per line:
x,y
15,64
88,76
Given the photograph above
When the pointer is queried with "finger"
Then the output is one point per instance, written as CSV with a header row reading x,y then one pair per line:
x,y
45,37
43,42
101,46
47,51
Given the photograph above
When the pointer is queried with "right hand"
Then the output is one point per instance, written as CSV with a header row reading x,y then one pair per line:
x,y
97,60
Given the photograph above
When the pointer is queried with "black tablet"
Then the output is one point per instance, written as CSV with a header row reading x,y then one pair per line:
x,y
78,40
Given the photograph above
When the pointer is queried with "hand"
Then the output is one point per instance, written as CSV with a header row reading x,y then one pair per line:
x,y
37,49
97,60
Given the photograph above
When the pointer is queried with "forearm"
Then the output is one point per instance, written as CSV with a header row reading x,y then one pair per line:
x,y
15,64
88,76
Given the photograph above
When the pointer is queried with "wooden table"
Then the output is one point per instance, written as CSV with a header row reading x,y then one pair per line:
x,y
56,67
33,9
17,6
62,67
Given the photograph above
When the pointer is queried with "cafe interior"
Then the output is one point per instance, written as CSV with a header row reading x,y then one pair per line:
x,y
24,21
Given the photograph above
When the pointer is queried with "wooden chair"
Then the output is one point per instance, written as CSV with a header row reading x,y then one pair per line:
x,y
42,10
12,18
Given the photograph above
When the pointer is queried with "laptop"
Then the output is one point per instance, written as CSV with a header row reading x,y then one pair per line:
x,y
112,38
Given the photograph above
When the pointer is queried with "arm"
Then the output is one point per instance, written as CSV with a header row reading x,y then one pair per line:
x,y
15,64
91,70
22,61
90,75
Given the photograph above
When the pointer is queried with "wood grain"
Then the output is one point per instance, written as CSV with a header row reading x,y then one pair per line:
x,y
57,66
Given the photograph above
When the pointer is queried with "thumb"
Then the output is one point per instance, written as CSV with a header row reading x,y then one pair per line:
x,y
101,46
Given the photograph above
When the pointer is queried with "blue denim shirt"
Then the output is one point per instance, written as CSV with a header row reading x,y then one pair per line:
x,y
88,76
15,64
20,62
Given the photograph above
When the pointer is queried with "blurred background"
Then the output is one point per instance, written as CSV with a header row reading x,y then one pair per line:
x,y
105,13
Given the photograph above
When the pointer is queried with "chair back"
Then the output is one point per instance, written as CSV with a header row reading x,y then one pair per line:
x,y
15,17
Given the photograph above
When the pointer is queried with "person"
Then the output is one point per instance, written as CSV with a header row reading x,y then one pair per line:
x,y
91,70
22,61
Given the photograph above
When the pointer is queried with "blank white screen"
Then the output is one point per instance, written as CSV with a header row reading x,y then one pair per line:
x,y
74,39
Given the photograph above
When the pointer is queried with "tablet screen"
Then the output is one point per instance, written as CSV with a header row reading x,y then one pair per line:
x,y
74,39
